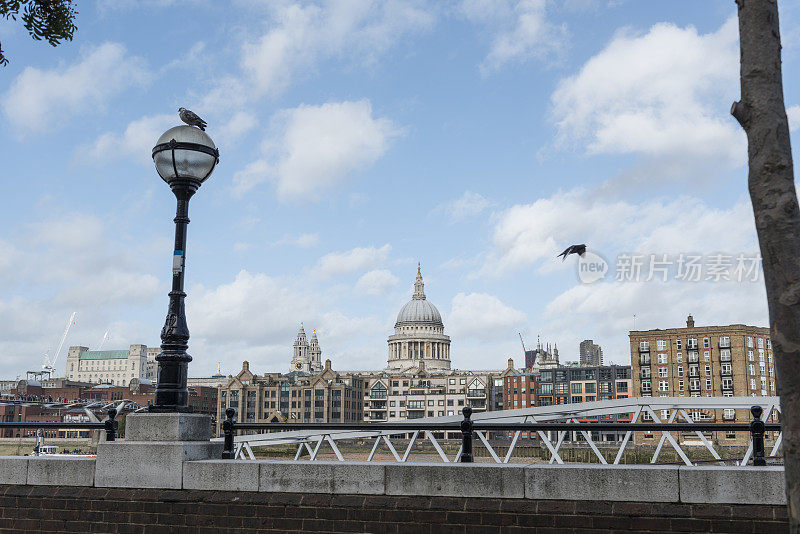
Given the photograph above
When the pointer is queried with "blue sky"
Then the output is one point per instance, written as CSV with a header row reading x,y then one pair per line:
x,y
358,138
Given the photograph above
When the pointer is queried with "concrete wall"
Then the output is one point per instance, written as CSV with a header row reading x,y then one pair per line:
x,y
655,484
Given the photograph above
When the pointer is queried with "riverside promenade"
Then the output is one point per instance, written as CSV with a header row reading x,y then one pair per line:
x,y
166,477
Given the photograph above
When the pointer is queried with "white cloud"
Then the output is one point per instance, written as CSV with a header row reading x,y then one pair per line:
x,y
255,317
136,142
521,30
483,317
301,35
664,93
68,263
301,240
353,260
467,205
41,100
318,147
793,114
377,282
238,125
526,234
255,308
602,311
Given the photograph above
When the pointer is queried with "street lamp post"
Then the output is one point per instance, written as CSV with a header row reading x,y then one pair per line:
x,y
184,157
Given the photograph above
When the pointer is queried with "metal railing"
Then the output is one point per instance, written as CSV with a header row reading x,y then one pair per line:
x,y
469,428
110,425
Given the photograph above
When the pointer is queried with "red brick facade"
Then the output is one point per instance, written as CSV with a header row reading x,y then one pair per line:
x,y
29,509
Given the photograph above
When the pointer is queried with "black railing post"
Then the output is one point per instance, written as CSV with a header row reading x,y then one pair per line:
x,y
757,434
111,425
227,430
466,436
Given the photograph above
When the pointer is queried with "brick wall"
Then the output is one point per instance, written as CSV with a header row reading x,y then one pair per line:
x,y
87,509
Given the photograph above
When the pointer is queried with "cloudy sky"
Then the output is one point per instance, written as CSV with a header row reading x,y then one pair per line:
x,y
357,138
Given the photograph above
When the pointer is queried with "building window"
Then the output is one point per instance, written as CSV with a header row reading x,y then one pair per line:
x,y
663,372
680,385
708,370
706,343
678,344
679,357
591,388
576,387
663,385
661,344
378,391
749,342
707,356
708,383
662,358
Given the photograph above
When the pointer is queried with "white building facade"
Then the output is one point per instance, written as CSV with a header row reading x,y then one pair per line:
x,y
116,367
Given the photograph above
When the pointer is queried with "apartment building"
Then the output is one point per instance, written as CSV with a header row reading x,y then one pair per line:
x,y
565,385
298,397
704,361
413,395
591,354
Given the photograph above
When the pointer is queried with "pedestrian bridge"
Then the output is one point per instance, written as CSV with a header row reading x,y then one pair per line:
x,y
689,410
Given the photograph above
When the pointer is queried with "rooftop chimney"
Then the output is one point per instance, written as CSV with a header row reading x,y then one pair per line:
x,y
690,322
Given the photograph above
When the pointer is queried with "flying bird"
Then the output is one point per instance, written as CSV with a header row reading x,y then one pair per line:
x,y
580,250
190,117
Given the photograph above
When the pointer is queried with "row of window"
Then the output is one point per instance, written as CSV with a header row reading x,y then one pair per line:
x,y
691,343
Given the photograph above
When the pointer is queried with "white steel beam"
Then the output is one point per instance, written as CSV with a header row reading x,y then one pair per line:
x,y
436,446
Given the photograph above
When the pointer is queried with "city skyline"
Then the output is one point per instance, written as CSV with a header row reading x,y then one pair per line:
x,y
479,142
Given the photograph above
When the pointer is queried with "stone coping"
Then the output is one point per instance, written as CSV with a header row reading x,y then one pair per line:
x,y
650,483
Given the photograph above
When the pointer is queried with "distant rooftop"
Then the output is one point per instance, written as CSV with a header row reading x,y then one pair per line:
x,y
104,355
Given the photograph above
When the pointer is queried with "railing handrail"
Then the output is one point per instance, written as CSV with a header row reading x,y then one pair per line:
x,y
756,427
109,425
88,425
456,426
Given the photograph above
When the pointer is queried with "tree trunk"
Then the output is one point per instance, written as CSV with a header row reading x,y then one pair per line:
x,y
762,114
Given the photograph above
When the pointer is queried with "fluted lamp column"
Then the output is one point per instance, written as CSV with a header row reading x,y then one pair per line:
x,y
184,157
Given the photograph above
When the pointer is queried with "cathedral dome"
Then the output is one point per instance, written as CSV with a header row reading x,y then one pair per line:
x,y
418,310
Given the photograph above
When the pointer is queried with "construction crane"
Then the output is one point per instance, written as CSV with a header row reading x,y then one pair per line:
x,y
50,366
524,352
102,341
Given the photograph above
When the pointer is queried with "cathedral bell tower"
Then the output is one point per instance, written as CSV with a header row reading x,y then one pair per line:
x,y
315,354
301,360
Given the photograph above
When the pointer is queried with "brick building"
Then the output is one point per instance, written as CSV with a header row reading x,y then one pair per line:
x,y
704,361
566,385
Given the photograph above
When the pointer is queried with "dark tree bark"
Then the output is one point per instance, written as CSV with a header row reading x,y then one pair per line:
x,y
762,114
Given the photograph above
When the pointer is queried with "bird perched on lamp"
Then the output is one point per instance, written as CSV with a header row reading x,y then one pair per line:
x,y
190,117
